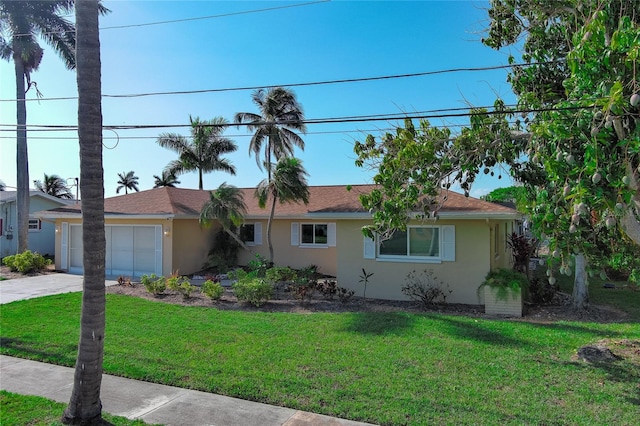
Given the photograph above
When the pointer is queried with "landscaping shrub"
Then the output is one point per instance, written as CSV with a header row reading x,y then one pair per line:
x,y
345,295
253,290
213,290
328,289
504,280
223,254
26,262
154,284
280,273
425,288
260,265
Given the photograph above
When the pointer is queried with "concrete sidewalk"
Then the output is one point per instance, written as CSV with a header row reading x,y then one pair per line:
x,y
154,403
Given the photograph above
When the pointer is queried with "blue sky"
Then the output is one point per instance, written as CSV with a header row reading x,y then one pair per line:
x,y
314,42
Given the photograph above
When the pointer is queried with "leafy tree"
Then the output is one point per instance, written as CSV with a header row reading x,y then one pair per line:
x,y
127,181
21,23
280,117
167,179
572,138
226,205
84,404
288,184
203,152
54,185
512,194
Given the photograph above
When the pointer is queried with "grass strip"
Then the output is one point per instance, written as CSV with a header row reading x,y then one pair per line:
x,y
20,410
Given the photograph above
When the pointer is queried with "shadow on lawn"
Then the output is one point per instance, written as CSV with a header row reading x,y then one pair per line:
x,y
476,331
65,355
380,323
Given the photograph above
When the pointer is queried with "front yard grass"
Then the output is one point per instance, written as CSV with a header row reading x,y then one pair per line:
x,y
20,410
385,368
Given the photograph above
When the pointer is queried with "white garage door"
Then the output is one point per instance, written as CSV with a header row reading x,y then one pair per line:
x,y
131,250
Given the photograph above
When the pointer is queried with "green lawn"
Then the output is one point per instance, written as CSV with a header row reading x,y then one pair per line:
x,y
20,410
386,368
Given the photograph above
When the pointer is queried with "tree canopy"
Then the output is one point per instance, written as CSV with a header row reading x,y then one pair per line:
x,y
572,138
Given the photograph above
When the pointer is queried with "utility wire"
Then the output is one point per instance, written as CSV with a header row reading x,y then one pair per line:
x,y
197,18
313,83
317,121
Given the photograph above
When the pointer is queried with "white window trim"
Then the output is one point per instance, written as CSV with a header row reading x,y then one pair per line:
x,y
296,235
257,234
446,236
408,257
36,222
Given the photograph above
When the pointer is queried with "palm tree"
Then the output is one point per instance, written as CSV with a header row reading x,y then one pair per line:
x,y
203,152
226,204
288,184
165,179
84,404
54,185
127,181
2,185
21,23
280,116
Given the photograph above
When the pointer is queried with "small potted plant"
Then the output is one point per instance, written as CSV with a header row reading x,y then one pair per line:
x,y
503,291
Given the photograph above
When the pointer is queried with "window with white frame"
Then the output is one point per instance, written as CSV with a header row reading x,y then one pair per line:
x,y
35,225
313,234
251,233
417,243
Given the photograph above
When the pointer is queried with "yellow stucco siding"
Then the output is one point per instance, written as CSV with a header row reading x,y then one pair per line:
x,y
463,276
294,256
190,245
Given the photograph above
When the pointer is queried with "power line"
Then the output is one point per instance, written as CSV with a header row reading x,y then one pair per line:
x,y
197,18
223,15
306,84
317,121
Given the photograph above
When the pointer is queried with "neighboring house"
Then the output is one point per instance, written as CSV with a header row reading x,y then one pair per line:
x,y
41,233
157,231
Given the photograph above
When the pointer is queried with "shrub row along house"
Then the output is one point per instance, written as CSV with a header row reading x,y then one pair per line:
x,y
157,231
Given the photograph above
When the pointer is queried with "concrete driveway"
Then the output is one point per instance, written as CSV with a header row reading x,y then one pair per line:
x,y
40,285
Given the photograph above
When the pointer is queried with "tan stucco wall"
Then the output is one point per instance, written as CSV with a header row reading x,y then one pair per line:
x,y
325,258
463,276
191,245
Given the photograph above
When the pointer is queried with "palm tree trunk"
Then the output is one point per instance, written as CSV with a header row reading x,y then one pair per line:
x,y
22,157
85,406
271,214
200,186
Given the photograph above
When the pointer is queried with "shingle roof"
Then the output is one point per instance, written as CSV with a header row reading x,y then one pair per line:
x,y
329,200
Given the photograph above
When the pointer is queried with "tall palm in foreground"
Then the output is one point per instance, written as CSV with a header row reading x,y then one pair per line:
x,y
166,179
226,205
203,152
54,185
127,181
21,22
288,184
84,404
275,126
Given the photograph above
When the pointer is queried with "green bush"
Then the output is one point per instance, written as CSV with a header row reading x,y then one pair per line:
x,y
213,290
154,284
504,280
260,265
26,262
253,290
186,288
280,273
